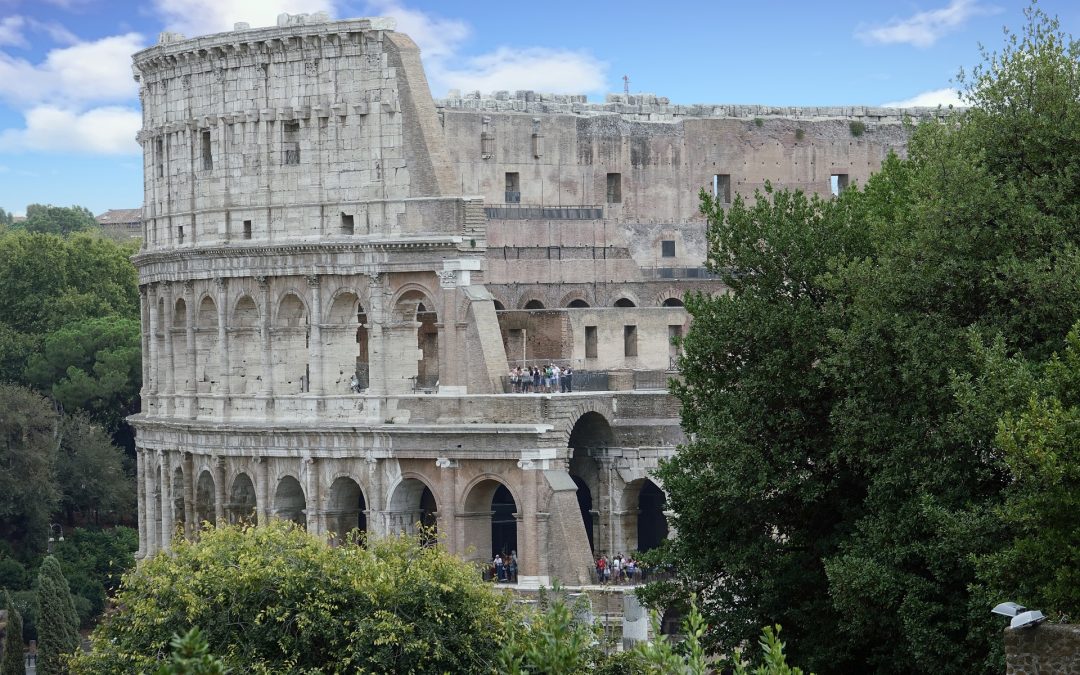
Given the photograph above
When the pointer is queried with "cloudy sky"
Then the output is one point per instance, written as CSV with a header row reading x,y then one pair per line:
x,y
69,106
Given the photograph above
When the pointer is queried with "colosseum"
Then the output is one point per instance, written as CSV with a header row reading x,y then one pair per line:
x,y
339,272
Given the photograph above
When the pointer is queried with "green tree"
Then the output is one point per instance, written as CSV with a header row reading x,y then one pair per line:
x,y
28,491
62,220
13,662
275,599
92,365
58,624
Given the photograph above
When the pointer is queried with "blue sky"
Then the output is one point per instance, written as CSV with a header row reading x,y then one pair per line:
x,y
69,106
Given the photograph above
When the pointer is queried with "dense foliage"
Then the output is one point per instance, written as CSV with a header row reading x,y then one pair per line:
x,y
846,476
274,599
58,624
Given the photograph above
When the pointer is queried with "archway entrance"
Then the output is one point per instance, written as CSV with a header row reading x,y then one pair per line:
x,y
205,500
346,516
241,506
490,520
289,501
644,523
412,505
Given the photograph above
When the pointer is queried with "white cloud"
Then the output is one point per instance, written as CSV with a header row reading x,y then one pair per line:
x,y
929,99
11,31
85,72
107,130
202,17
923,29
540,69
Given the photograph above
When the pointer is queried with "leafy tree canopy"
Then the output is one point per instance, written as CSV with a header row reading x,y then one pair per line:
x,y
274,599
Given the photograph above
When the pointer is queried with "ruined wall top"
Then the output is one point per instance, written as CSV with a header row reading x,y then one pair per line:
x,y
653,108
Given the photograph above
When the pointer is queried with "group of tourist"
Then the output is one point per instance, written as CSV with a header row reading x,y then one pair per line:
x,y
542,380
504,568
619,569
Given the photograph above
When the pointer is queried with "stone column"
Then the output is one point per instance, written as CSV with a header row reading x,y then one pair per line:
x,y
219,490
315,346
140,489
223,335
153,524
264,336
167,529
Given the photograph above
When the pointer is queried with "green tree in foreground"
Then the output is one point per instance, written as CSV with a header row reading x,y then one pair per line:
x,y
13,662
58,624
275,599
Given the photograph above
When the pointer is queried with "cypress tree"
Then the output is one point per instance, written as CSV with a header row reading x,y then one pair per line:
x,y
13,659
58,624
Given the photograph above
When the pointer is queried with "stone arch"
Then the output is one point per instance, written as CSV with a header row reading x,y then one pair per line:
x,y
245,344
490,514
412,502
345,343
290,502
207,346
181,367
290,334
644,524
242,504
415,314
178,501
205,498
532,303
346,508
624,302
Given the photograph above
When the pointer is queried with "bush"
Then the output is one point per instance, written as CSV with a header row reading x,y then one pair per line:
x,y
274,599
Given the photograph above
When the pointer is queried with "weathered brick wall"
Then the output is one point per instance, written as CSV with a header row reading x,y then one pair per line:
x,y
1048,649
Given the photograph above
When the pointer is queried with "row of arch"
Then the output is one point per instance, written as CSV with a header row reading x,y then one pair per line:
x,y
580,303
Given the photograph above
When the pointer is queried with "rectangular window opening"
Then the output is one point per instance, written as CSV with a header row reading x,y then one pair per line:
x,y
721,188
590,342
629,340
207,156
247,229
838,182
513,187
667,248
290,136
614,188
347,223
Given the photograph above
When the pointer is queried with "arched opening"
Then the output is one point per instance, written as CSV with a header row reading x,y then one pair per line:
x,y
246,376
241,507
345,340
590,435
625,302
412,506
644,522
207,347
577,304
289,501
346,513
534,304
414,306
179,519
498,305
205,499
491,520
181,367
672,302
290,346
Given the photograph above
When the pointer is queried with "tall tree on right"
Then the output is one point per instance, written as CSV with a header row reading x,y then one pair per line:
x,y
58,624
844,473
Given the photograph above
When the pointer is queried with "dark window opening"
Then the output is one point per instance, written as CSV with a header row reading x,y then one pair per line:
x,y
247,229
629,340
207,156
721,188
614,188
590,342
347,223
513,187
838,182
667,248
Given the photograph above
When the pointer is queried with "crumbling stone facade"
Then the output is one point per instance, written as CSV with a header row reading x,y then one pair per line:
x,y
338,273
